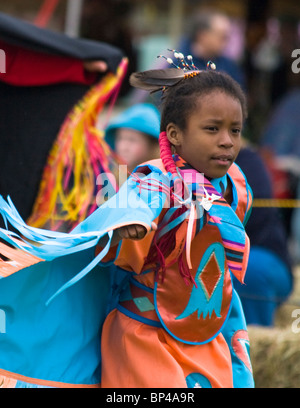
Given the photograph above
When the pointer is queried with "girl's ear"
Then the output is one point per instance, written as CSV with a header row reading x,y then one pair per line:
x,y
174,134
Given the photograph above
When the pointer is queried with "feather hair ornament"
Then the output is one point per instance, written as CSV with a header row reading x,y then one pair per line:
x,y
68,188
155,80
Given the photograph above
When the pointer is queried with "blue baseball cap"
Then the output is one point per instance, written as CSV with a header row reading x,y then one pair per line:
x,y
143,117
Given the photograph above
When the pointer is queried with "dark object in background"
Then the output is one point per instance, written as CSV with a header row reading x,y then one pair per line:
x,y
31,116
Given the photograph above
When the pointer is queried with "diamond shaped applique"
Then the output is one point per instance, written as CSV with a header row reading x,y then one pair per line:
x,y
210,276
143,304
206,297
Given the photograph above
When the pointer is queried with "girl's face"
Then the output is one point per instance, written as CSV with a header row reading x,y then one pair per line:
x,y
212,138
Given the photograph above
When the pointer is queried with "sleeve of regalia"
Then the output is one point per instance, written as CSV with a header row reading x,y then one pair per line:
x,y
235,330
23,246
236,336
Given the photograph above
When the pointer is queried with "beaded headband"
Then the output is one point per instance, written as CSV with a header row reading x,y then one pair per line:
x,y
185,63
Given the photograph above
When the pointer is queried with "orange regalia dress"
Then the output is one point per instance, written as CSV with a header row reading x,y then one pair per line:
x,y
171,316
166,331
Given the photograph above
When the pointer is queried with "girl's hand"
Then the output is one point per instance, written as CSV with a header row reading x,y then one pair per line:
x,y
134,231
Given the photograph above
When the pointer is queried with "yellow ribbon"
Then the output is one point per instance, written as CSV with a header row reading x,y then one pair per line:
x,y
276,202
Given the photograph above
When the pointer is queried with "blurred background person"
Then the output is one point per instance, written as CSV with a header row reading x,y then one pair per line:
x,y
207,40
280,146
134,133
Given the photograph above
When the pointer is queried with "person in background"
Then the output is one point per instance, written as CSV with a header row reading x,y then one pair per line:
x,y
207,40
280,144
133,134
268,280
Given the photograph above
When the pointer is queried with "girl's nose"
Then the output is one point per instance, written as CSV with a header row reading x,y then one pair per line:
x,y
226,139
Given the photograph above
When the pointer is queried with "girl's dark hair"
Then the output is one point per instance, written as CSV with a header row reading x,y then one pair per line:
x,y
180,100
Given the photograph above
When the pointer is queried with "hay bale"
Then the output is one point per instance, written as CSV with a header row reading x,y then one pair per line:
x,y
275,352
284,315
275,357
284,312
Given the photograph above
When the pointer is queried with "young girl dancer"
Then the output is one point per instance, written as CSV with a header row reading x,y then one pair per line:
x,y
178,322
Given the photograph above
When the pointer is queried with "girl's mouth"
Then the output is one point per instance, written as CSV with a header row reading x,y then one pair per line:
x,y
223,160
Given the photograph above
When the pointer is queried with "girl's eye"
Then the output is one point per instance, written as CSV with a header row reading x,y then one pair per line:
x,y
212,128
236,131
